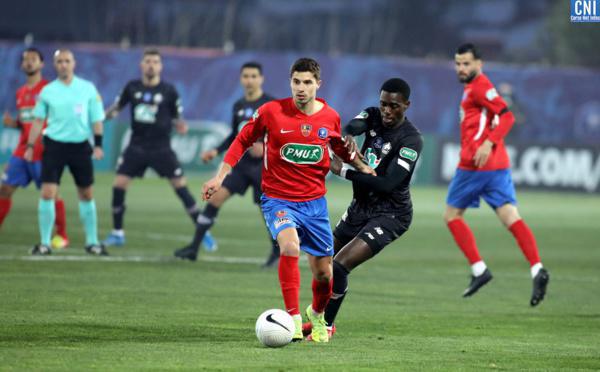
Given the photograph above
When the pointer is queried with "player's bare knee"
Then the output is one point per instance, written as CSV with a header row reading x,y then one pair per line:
x,y
121,182
508,214
289,248
85,193
6,191
49,191
451,215
324,275
178,182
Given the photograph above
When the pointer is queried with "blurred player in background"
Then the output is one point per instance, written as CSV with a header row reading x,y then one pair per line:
x,y
19,172
247,172
484,171
381,208
69,105
155,109
297,133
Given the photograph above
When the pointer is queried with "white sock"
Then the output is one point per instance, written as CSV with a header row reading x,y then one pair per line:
x,y
535,269
478,268
120,233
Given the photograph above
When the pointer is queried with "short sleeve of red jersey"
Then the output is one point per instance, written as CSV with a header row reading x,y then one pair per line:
x,y
487,97
248,135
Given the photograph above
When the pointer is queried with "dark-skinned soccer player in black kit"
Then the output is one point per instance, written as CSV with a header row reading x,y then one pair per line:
x,y
381,207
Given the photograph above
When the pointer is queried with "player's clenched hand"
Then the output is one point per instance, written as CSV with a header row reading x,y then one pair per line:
x,y
28,156
210,188
483,153
98,153
209,155
7,119
181,127
335,166
351,146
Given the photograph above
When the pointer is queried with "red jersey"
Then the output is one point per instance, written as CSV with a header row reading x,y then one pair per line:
x,y
26,98
296,148
483,115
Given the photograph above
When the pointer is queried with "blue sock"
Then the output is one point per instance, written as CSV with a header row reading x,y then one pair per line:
x,y
46,216
87,214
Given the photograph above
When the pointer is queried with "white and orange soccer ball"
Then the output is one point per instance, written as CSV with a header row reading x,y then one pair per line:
x,y
275,328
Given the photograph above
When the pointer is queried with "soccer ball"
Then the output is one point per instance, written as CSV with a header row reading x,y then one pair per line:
x,y
58,242
275,328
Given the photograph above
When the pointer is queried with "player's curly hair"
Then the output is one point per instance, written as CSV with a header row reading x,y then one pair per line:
x,y
307,65
397,85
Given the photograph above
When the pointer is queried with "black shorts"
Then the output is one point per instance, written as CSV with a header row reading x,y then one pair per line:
x,y
77,156
134,161
376,230
243,176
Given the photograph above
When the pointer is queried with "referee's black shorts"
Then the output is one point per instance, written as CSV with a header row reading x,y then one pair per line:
x,y
136,159
77,156
377,230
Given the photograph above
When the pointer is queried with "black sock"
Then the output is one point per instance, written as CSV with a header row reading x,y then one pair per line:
x,y
188,202
118,207
340,287
203,224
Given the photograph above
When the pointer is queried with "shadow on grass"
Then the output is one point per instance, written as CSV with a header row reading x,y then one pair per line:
x,y
80,332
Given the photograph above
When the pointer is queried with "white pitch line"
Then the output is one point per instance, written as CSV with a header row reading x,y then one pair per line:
x,y
61,258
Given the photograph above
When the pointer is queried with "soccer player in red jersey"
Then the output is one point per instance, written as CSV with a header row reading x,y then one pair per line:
x,y
484,171
20,172
297,132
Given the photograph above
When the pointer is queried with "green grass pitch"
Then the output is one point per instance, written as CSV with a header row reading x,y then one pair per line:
x,y
143,309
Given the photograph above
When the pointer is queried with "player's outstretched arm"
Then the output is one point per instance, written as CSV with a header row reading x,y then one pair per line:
x,y
398,169
337,166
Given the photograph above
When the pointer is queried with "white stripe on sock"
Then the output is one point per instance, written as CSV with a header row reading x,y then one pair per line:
x,y
535,269
478,268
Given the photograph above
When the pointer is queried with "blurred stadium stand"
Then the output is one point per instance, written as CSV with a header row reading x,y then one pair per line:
x,y
507,30
550,67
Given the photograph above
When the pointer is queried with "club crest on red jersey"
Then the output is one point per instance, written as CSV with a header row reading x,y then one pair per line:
x,y
305,129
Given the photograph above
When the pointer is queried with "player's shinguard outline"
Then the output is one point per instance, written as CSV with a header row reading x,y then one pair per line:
x,y
155,108
297,132
484,171
18,172
246,173
69,104
381,210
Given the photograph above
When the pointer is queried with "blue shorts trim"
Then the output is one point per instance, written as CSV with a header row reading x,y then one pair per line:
x,y
20,172
310,219
495,187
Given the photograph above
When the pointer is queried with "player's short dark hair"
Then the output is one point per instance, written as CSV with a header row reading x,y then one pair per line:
x,y
33,50
469,48
151,52
252,64
397,85
306,65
